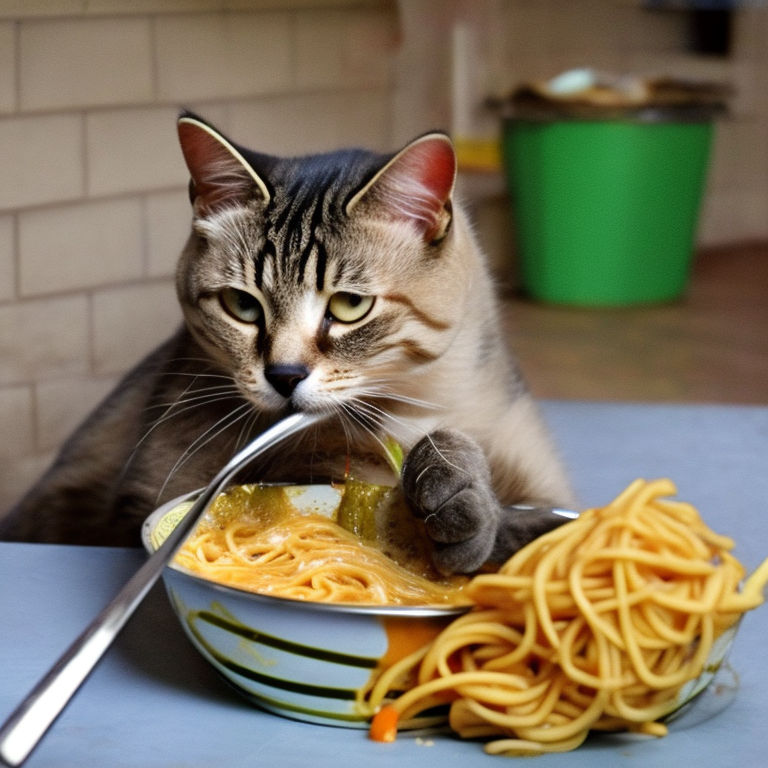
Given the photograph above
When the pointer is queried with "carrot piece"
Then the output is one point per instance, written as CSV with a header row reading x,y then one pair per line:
x,y
384,724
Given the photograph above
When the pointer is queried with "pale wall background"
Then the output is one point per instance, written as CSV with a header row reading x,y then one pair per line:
x,y
93,207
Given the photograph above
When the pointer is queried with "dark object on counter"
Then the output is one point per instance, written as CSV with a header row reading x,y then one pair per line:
x,y
710,30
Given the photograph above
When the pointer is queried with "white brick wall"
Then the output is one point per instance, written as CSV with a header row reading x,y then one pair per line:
x,y
17,415
20,471
313,122
7,260
214,56
63,403
7,67
107,247
68,63
334,47
42,159
129,321
44,338
167,220
131,150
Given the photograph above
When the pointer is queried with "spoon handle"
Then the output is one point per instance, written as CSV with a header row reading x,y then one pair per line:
x,y
29,722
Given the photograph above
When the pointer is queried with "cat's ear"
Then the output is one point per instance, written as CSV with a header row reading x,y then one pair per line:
x,y
221,176
416,185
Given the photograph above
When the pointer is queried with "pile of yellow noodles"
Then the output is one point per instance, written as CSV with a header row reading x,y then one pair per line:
x,y
306,557
594,626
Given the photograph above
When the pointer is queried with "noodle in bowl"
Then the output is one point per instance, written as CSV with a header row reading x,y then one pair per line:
x,y
337,663
310,661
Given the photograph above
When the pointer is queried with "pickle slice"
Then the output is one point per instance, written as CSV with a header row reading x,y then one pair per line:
x,y
357,510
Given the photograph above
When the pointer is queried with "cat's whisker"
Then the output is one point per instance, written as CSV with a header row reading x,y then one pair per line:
x,y
169,414
351,422
199,394
445,458
381,388
172,411
354,412
206,437
209,371
246,429
371,412
196,375
338,410
376,391
368,415
191,388
183,394
337,406
191,359
226,421
362,408
214,394
382,416
406,400
364,415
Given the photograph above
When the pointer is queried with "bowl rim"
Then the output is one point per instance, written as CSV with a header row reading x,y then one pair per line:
x,y
399,611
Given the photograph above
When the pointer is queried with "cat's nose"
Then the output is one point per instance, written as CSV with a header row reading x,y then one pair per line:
x,y
285,378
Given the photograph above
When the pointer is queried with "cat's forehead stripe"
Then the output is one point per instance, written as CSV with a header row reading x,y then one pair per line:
x,y
291,236
322,260
307,201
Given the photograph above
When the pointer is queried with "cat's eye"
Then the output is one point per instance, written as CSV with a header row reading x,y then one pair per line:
x,y
349,307
241,305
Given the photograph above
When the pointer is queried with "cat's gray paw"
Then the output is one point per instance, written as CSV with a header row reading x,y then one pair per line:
x,y
518,527
447,483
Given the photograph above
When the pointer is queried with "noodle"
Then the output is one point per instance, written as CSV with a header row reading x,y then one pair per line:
x,y
270,548
596,625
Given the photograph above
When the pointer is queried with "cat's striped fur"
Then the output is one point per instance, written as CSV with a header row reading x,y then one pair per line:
x,y
348,283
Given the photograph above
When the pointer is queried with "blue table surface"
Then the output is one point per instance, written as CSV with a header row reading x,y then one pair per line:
x,y
154,702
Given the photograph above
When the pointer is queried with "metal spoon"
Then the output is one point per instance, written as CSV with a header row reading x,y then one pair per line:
x,y
29,722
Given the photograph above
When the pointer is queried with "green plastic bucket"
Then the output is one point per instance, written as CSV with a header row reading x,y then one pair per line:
x,y
605,211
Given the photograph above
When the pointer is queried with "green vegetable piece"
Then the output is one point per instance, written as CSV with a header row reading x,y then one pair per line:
x,y
264,504
393,453
357,511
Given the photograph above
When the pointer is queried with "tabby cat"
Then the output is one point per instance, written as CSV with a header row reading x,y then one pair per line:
x,y
348,283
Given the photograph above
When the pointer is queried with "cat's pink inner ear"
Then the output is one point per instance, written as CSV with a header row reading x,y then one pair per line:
x,y
220,176
417,185
431,164
419,182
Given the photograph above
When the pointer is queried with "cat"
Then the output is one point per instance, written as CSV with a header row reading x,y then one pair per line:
x,y
349,283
